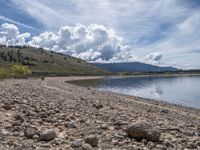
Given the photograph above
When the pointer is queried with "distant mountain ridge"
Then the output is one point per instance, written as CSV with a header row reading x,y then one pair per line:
x,y
133,67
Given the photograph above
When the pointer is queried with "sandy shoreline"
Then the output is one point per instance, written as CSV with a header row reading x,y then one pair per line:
x,y
76,112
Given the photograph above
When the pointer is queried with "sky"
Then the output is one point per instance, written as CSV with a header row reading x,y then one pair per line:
x,y
160,32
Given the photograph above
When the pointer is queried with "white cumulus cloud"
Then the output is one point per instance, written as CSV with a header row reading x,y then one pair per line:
x,y
9,35
92,43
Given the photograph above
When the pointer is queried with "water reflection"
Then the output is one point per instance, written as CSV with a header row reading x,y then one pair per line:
x,y
179,90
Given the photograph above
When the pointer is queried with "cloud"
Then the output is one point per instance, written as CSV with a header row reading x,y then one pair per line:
x,y
21,38
89,55
154,56
92,43
9,35
178,44
168,26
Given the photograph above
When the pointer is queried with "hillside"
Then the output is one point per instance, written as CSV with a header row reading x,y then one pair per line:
x,y
43,62
133,67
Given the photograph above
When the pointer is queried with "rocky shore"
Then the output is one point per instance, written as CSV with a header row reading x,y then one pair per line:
x,y
50,114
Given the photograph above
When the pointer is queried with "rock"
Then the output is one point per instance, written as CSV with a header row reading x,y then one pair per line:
x,y
120,135
51,120
198,143
92,140
168,144
151,145
189,133
19,117
104,127
144,141
70,125
43,115
35,137
47,135
76,144
87,147
197,133
191,145
161,147
27,144
164,111
45,145
16,134
18,120
29,132
7,106
98,106
143,130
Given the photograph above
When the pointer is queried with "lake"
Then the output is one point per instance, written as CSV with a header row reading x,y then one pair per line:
x,y
183,90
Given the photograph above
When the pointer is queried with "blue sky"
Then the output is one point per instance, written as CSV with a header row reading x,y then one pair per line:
x,y
161,32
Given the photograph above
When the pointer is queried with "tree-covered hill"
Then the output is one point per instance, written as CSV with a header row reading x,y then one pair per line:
x,y
43,62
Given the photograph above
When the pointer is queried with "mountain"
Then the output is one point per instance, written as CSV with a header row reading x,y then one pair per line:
x,y
133,67
43,62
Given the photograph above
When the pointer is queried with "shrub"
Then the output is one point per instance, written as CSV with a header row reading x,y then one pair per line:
x,y
20,70
4,73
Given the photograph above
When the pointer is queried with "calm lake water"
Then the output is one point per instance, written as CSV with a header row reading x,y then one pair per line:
x,y
178,90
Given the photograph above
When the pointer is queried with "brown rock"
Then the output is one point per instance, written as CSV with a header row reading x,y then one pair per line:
x,y
92,140
143,130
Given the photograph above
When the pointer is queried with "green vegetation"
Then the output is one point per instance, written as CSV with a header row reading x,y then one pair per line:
x,y
4,73
20,70
44,63
16,71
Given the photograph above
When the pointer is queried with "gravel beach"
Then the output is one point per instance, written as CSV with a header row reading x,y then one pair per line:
x,y
51,114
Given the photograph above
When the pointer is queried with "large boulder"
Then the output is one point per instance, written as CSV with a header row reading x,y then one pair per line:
x,y
143,130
